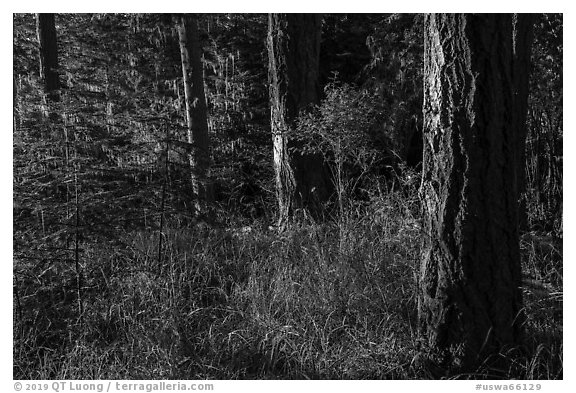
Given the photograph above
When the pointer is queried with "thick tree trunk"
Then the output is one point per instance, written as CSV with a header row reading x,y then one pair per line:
x,y
302,181
196,114
470,301
48,47
523,36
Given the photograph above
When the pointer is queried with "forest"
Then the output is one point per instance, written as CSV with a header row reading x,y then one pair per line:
x,y
287,196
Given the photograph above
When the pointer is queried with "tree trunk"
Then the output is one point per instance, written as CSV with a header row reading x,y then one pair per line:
x,y
15,108
469,301
196,114
523,35
48,47
302,181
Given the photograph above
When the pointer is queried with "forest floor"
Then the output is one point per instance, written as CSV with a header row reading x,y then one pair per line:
x,y
318,301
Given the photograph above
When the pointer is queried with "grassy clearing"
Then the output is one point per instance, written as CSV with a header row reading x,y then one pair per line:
x,y
317,301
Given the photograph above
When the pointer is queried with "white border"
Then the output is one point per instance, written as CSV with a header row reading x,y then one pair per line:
x,y
378,6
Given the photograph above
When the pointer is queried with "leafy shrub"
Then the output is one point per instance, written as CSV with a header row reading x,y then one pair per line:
x,y
347,130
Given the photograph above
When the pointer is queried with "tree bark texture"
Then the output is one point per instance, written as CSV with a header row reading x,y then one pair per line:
x,y
15,107
522,40
302,180
196,113
48,48
470,301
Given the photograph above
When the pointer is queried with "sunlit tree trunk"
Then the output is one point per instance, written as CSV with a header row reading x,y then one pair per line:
x,y
470,301
196,114
15,108
48,49
302,181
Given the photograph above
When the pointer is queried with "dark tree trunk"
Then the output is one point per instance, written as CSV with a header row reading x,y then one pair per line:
x,y
48,46
302,181
196,114
523,36
470,301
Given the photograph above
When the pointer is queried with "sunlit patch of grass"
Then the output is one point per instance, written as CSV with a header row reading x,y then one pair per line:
x,y
319,300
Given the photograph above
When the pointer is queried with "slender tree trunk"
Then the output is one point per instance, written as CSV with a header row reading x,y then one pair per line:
x,y
15,108
302,181
196,114
46,32
523,36
470,301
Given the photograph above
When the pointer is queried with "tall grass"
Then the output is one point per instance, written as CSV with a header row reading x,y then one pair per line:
x,y
319,300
